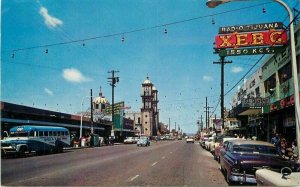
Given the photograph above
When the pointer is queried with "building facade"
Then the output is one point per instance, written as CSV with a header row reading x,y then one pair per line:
x,y
272,81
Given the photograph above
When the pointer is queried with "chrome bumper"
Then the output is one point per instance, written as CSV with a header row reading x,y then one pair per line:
x,y
243,178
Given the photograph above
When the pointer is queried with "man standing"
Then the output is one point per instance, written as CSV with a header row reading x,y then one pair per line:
x,y
276,141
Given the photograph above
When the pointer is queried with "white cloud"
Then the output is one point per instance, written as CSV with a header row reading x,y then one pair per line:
x,y
74,75
49,92
49,20
207,78
236,69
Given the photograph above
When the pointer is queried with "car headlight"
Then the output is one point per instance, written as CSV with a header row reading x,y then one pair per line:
x,y
236,170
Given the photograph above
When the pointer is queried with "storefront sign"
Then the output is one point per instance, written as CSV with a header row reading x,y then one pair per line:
x,y
255,102
250,27
249,51
251,39
281,104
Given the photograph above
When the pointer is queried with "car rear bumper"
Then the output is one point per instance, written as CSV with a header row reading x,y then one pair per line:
x,y
243,178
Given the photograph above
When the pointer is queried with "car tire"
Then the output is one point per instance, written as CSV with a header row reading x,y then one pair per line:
x,y
227,177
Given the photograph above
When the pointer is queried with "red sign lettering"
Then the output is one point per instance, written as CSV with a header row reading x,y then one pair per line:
x,y
263,38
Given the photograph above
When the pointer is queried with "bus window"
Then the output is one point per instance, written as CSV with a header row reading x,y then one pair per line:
x,y
54,133
31,133
46,133
66,133
50,133
41,133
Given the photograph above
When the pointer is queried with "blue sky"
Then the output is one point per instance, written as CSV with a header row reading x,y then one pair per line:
x,y
179,63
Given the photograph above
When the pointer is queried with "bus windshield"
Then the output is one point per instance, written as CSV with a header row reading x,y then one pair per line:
x,y
19,134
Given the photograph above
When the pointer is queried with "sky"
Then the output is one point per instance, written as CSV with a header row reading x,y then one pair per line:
x,y
84,43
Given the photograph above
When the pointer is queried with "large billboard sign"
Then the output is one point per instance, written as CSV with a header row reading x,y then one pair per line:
x,y
252,39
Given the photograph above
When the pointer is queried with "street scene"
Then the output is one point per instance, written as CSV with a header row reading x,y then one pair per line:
x,y
150,93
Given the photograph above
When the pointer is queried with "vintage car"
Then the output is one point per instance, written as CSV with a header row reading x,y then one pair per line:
x,y
267,177
203,139
190,139
130,140
220,147
143,141
208,142
243,157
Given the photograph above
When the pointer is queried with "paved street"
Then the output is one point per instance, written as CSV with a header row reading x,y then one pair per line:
x,y
165,163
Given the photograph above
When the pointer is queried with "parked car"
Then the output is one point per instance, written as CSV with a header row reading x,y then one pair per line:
x,y
243,157
203,139
267,177
130,140
206,144
143,141
190,139
220,147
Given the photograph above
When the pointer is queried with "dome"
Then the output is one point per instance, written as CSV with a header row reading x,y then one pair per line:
x,y
147,81
154,89
100,100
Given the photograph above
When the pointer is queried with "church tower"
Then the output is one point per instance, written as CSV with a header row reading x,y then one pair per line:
x,y
149,108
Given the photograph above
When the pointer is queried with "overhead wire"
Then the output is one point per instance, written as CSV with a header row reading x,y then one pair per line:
x,y
137,30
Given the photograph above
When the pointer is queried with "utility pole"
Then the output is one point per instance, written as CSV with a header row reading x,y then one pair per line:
x,y
214,127
169,125
222,62
113,80
207,113
92,117
201,123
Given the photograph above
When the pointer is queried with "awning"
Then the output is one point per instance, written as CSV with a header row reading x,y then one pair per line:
x,y
124,130
250,111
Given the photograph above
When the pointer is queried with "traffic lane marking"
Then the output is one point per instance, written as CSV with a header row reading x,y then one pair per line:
x,y
133,178
154,164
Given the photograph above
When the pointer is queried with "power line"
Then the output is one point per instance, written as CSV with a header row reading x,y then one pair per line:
x,y
135,30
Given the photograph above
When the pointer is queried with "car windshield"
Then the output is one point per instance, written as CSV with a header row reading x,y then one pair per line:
x,y
261,149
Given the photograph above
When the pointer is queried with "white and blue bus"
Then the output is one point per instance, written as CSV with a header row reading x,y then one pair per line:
x,y
40,139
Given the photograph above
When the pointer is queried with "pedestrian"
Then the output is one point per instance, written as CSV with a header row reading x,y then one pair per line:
x,y
276,141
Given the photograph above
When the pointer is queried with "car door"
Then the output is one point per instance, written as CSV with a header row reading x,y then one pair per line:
x,y
223,152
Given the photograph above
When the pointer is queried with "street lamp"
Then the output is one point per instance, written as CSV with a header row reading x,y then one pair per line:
x,y
80,135
214,3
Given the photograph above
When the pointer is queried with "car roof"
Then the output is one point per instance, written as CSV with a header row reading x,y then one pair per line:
x,y
249,142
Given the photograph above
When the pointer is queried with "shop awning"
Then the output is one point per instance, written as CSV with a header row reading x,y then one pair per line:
x,y
250,111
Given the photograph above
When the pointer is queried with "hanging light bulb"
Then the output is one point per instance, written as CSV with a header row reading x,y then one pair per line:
x,y
46,51
166,31
83,44
264,10
123,39
13,55
213,21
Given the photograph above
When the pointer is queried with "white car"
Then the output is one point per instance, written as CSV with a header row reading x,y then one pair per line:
x,y
208,142
190,139
266,177
130,140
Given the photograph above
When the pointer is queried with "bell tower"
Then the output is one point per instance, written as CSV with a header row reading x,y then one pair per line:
x,y
147,108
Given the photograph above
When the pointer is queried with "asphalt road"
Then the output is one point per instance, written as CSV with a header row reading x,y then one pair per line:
x,y
165,163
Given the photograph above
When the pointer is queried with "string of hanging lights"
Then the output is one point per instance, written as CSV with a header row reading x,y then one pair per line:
x,y
47,46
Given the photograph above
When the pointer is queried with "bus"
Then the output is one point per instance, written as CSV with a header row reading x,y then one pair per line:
x,y
40,139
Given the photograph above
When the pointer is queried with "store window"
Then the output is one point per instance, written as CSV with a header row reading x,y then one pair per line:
x,y
270,83
285,73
